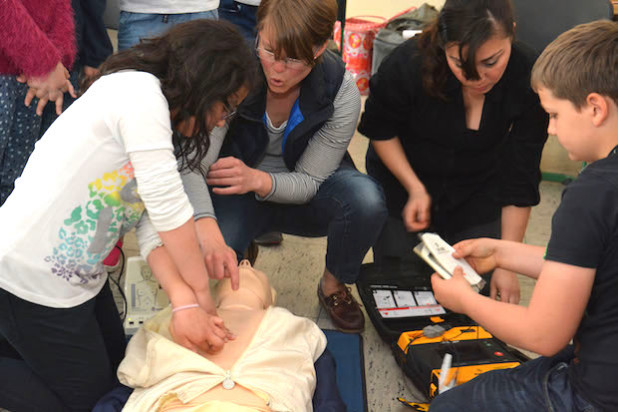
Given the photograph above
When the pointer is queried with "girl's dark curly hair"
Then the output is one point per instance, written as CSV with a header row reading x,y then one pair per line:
x,y
469,23
199,63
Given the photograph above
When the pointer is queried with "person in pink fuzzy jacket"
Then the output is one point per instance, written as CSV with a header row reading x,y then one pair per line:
x,y
37,47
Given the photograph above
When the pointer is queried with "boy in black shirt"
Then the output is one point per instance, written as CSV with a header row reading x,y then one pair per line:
x,y
576,295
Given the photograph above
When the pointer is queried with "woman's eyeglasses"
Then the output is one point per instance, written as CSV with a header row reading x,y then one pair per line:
x,y
229,112
269,57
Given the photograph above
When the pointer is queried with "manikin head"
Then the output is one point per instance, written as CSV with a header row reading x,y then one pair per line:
x,y
254,290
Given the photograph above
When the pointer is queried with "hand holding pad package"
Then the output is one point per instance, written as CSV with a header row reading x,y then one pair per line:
x,y
439,255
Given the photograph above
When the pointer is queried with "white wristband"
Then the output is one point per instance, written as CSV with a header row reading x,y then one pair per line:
x,y
179,308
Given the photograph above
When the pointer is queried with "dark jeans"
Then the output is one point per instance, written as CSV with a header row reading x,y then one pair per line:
x,y
242,15
348,208
21,128
49,112
395,243
541,384
58,359
19,131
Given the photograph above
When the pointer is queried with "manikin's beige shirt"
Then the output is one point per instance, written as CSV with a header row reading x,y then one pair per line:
x,y
278,362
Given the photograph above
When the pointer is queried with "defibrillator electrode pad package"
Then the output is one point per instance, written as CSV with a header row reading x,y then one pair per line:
x,y
439,255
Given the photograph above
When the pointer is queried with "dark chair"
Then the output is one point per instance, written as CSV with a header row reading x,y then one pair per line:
x,y
112,14
341,17
541,21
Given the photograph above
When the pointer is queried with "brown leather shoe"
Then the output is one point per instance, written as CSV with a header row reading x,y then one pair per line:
x,y
343,309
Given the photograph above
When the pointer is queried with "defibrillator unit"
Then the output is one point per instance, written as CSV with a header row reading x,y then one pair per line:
x,y
400,303
474,351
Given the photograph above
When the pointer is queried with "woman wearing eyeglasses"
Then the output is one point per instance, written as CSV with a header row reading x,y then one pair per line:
x,y
284,165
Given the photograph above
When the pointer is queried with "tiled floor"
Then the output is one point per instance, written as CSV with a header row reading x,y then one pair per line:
x,y
295,266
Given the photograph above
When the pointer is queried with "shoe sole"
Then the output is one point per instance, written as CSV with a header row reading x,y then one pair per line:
x,y
269,239
261,243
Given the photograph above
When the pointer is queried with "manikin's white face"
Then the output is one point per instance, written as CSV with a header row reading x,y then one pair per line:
x,y
252,281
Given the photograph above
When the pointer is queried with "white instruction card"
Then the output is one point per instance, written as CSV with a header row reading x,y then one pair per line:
x,y
383,298
425,298
406,303
404,298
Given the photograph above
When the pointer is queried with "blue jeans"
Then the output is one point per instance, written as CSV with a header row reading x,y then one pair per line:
x,y
242,15
541,384
135,26
49,112
58,359
348,208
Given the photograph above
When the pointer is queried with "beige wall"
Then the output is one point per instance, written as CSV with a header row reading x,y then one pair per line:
x,y
384,8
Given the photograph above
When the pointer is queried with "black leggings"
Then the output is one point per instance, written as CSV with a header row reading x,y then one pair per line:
x,y
58,359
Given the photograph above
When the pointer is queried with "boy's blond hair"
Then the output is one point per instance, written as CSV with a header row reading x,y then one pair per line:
x,y
580,61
